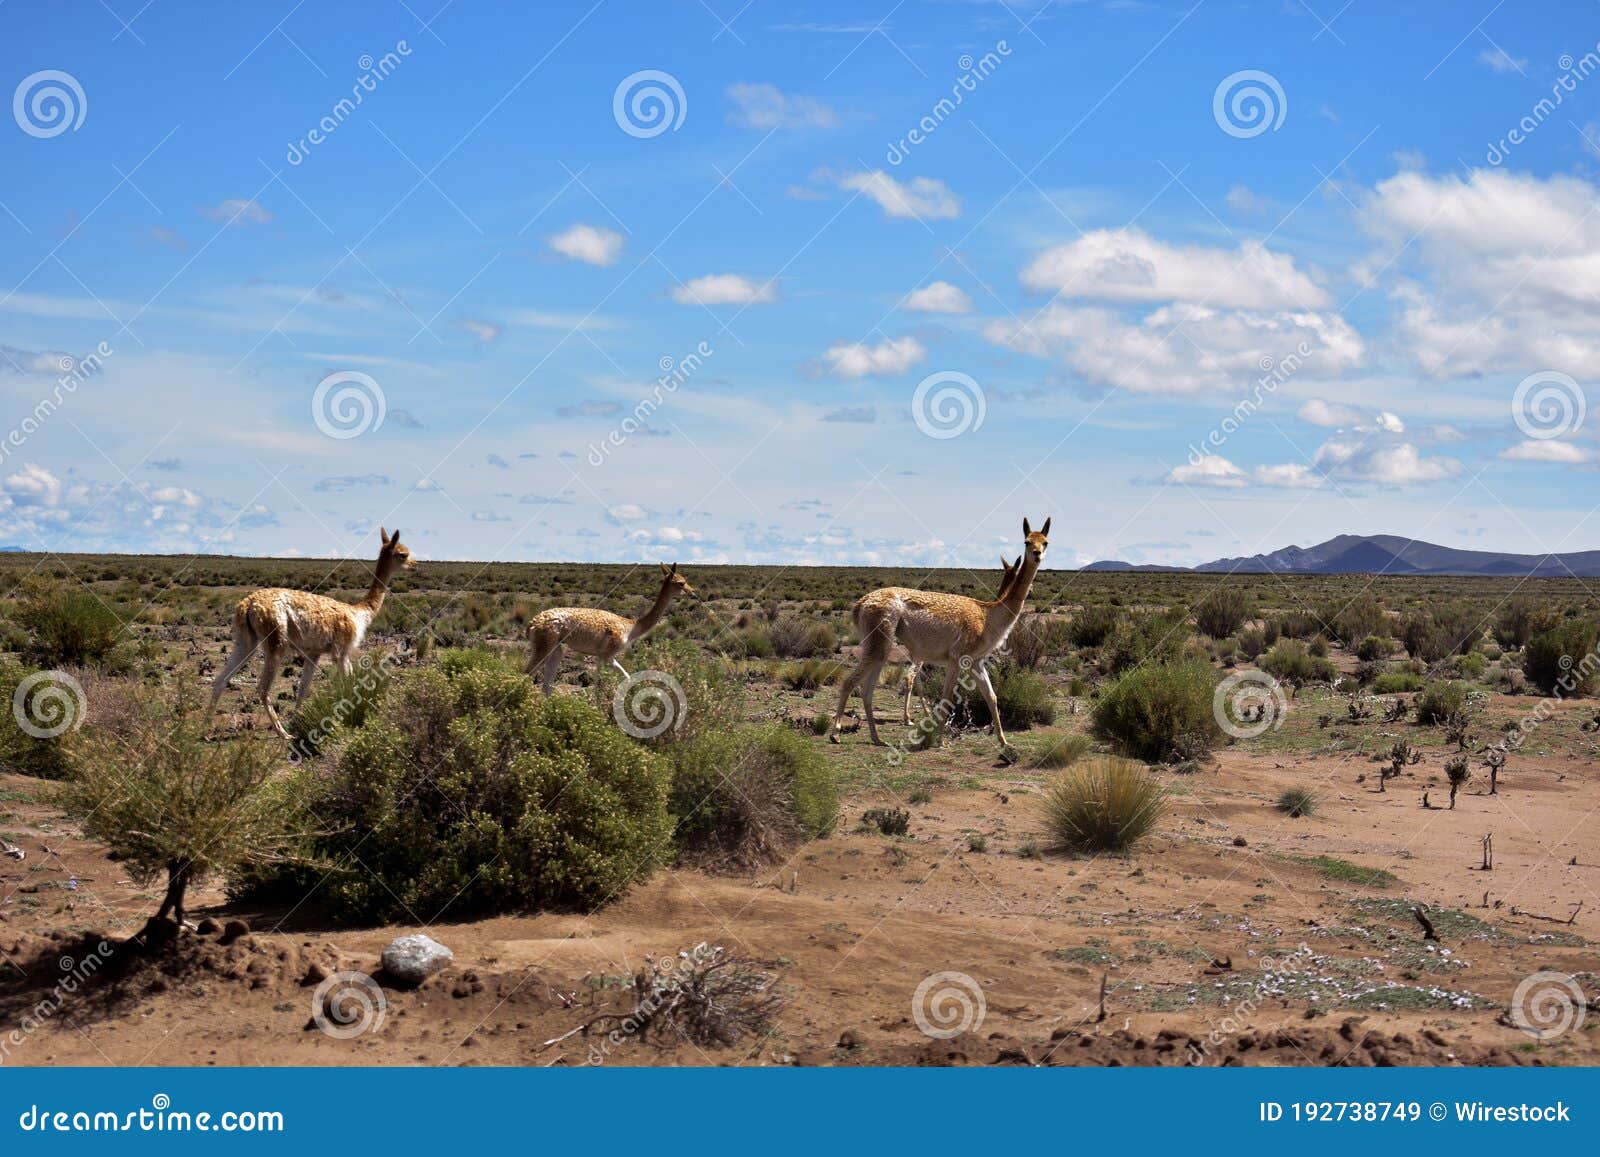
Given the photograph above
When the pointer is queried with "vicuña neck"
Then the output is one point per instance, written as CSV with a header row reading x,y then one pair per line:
x,y
653,616
380,587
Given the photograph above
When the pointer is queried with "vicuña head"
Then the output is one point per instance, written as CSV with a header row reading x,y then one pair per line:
x,y
954,630
590,631
277,621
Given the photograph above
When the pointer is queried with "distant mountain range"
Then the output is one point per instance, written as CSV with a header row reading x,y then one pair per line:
x,y
1389,554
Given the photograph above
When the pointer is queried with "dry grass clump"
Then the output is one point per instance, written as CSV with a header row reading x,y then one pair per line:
x,y
1105,804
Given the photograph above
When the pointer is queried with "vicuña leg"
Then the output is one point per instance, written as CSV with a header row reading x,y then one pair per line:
x,y
986,686
306,676
237,658
272,664
869,683
552,668
911,689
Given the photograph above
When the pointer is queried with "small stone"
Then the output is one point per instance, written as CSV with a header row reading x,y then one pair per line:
x,y
849,1040
234,929
1240,842
208,927
410,960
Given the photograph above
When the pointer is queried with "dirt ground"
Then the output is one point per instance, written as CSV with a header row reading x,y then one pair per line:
x,y
1234,935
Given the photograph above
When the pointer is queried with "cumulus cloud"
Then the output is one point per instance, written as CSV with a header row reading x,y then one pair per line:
x,y
939,297
47,363
1492,272
628,512
1386,463
921,198
886,359
1179,349
591,244
1548,450
1130,265
724,289
484,331
765,107
1211,470
1317,412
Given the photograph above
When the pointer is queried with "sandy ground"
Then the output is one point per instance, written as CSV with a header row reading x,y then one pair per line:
x,y
1222,940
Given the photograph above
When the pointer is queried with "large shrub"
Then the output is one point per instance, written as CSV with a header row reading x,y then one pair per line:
x,y
68,627
746,796
1147,639
1562,659
1440,631
24,751
1160,711
478,794
1348,621
1439,701
1104,804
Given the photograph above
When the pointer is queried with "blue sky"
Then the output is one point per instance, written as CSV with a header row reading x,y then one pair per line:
x,y
1359,298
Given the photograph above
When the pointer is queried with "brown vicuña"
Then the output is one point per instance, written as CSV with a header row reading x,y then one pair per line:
x,y
314,626
589,631
957,631
1008,572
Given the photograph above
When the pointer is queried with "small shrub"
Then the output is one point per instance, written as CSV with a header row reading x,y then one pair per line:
x,y
68,628
338,702
1147,640
1037,637
1159,712
1024,699
1373,648
1439,701
1397,682
800,639
890,821
1291,661
1471,666
1296,802
810,674
1252,643
1222,612
169,803
746,797
1103,805
1063,751
1092,626
978,843
1356,619
1559,659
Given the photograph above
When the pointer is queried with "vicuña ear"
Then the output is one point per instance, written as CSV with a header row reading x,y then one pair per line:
x,y
394,539
674,568
1026,529
1045,529
663,567
384,535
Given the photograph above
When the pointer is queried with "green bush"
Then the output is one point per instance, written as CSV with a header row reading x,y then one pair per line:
x,y
455,661
747,796
802,639
1062,751
1397,682
1296,802
1149,639
1451,628
1222,612
1439,701
21,751
810,674
1359,617
1105,804
1160,712
1092,626
1252,643
68,628
1037,637
338,702
1024,699
713,695
1373,648
1562,659
1471,666
1291,661
476,793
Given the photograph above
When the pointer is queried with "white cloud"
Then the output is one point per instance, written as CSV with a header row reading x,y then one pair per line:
x,y
1548,450
237,209
1242,199
923,198
628,512
859,360
591,244
939,297
1130,265
1386,463
484,331
1493,272
1318,412
1289,476
763,106
1211,470
1499,60
1180,349
724,289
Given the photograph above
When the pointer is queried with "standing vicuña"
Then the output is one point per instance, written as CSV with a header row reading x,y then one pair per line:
x,y
594,632
314,626
1008,573
957,631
